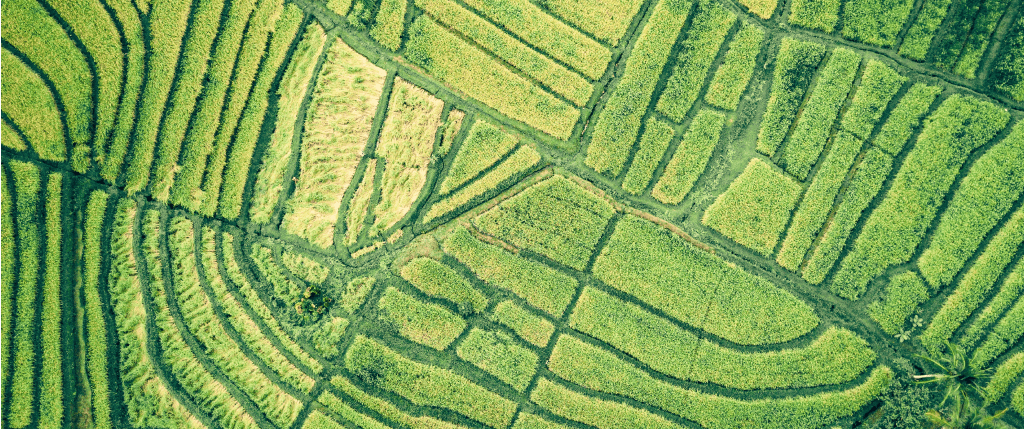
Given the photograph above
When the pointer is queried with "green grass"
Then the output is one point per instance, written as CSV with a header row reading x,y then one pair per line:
x,y
1004,335
359,205
429,324
755,209
836,356
818,114
556,218
821,15
451,128
863,186
961,17
982,30
499,355
905,292
541,286
653,144
31,107
875,22
441,281
387,409
339,407
878,85
223,185
533,421
7,265
599,413
520,162
405,145
484,146
559,79
426,385
294,85
284,287
763,8
984,196
113,153
972,289
51,398
317,420
1012,287
28,187
737,67
703,40
794,68
999,385
605,20
919,36
95,325
691,157
1007,75
905,118
389,24
534,329
698,288
305,268
619,122
819,199
466,68
534,26
898,224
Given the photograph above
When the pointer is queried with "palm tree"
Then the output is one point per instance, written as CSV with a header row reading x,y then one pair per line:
x,y
965,415
958,375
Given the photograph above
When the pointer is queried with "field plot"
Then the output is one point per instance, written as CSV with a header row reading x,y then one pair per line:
x,y
511,214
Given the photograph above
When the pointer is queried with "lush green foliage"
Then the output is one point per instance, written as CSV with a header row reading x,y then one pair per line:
x,y
875,22
1004,375
499,355
532,421
599,413
388,410
732,76
898,224
619,121
905,118
605,20
468,69
819,15
1007,74
755,209
425,323
27,188
691,157
51,398
984,196
426,385
541,286
484,145
305,268
982,29
905,292
703,40
818,200
533,328
441,281
1010,290
521,161
697,287
919,36
653,144
389,23
557,218
794,68
814,125
763,8
1004,334
878,85
30,105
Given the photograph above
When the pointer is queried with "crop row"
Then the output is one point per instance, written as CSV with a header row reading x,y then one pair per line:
x,y
483,146
468,69
814,125
1003,335
594,368
985,195
821,15
341,408
199,138
441,281
653,144
975,284
818,200
737,67
961,21
246,328
874,22
1006,75
429,324
619,122
531,327
878,85
905,292
755,209
905,118
794,68
500,355
259,308
690,158
192,375
835,357
359,205
982,30
284,287
245,123
95,324
763,8
522,160
405,145
112,156
28,187
389,23
147,396
606,20
426,385
8,265
1004,375
1012,287
703,41
672,275
866,182
543,287
189,81
561,80
336,129
305,268
449,130
30,106
596,412
387,409
919,37
292,91
557,218
897,225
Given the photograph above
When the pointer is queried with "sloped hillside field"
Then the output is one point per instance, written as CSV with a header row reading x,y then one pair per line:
x,y
512,214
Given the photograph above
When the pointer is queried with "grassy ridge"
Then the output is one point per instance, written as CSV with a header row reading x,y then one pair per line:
x,y
8,264
878,85
606,20
619,122
919,36
95,325
599,413
389,24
